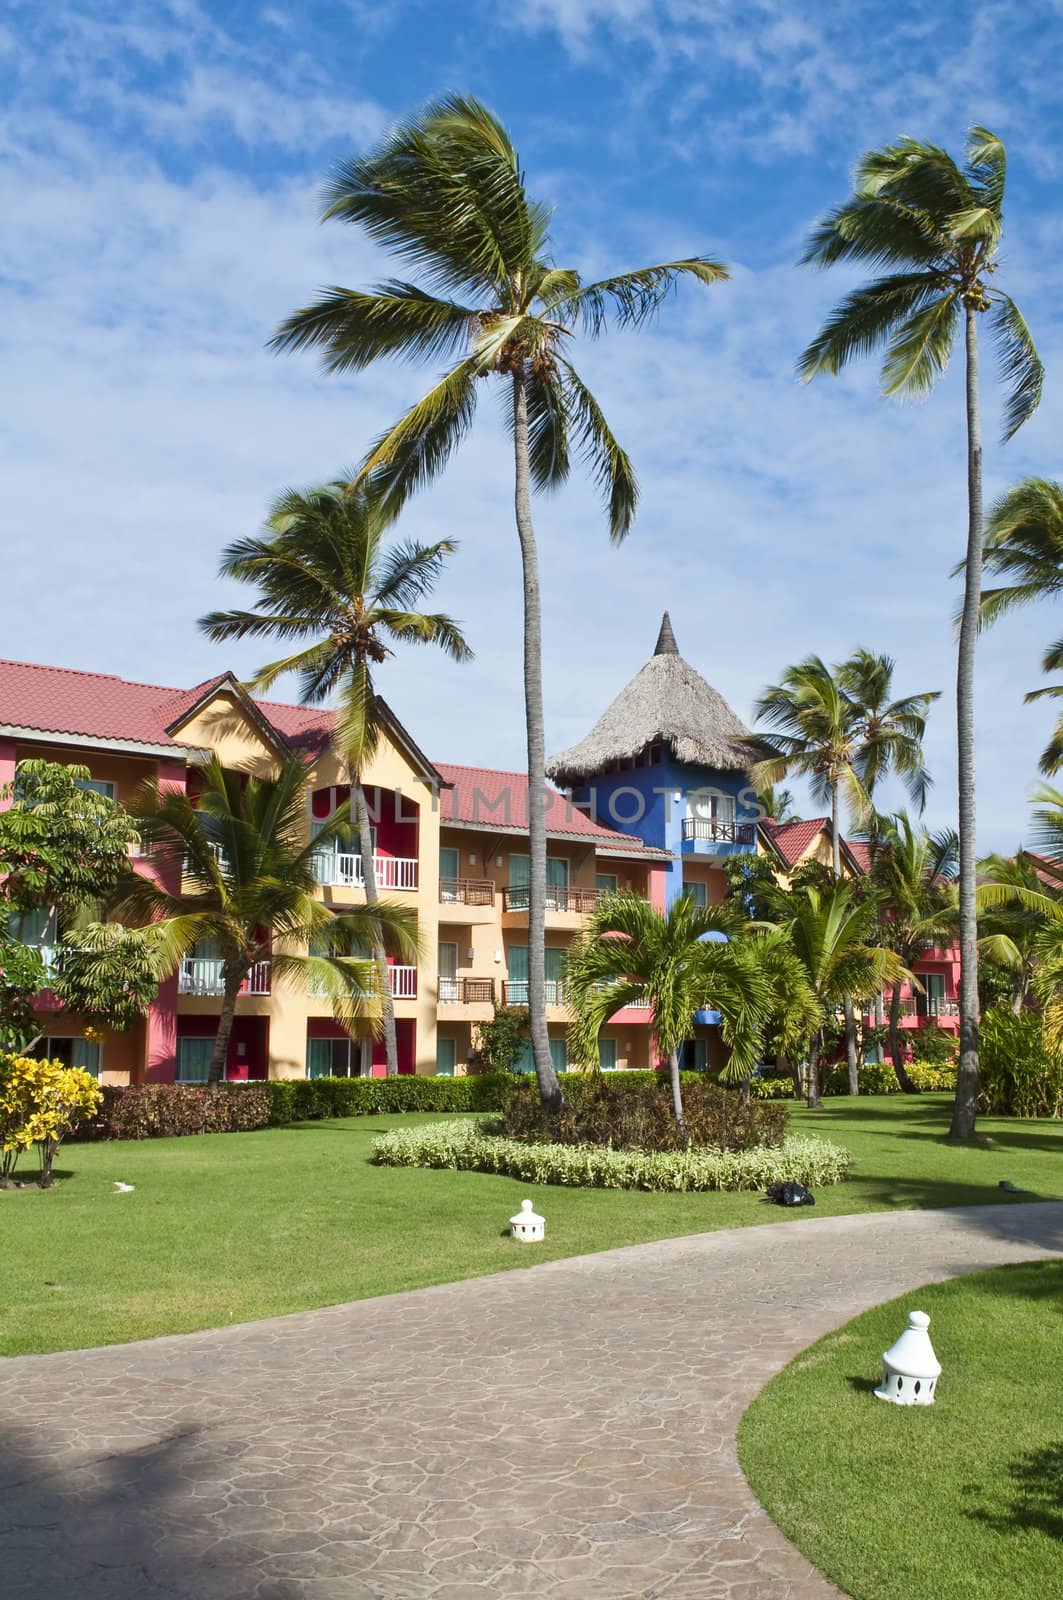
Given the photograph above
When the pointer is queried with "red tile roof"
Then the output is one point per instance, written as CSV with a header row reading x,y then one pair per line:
x,y
498,802
792,839
860,852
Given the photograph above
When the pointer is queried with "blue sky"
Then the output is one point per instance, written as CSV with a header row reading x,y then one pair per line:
x,y
158,175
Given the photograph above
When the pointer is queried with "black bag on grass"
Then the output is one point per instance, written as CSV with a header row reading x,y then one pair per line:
x,y
790,1194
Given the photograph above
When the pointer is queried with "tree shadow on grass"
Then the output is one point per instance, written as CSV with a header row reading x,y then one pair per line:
x,y
1033,1498
123,1524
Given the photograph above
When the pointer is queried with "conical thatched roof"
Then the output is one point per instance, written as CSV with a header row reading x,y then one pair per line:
x,y
666,703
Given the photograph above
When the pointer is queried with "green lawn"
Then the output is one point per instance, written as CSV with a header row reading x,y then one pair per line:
x,y
959,1501
231,1227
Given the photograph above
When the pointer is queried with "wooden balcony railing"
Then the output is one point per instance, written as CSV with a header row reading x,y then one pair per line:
x,y
466,991
707,830
516,994
515,898
466,891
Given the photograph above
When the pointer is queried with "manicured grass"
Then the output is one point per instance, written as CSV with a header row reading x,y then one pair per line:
x,y
959,1501
230,1227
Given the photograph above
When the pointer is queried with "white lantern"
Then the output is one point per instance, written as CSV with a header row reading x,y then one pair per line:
x,y
527,1225
910,1369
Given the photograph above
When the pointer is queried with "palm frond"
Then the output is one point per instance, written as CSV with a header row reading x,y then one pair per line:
x,y
919,350
1020,364
413,452
609,464
632,298
871,231
865,319
356,328
548,427
1024,543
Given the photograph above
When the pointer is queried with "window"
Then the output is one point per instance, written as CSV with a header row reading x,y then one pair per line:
x,y
446,1057
449,985
934,984
35,928
193,1059
449,862
607,1054
335,1058
694,1055
98,786
556,882
711,804
71,1052
525,1062
697,892
606,882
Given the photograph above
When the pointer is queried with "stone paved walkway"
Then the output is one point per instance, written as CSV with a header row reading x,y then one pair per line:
x,y
565,1432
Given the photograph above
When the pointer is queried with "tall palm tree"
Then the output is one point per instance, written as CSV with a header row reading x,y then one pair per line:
x,y
234,866
934,228
839,728
913,875
676,963
1024,544
327,578
829,932
1009,932
445,193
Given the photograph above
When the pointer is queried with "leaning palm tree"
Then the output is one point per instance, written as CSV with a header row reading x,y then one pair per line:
x,y
445,193
234,866
327,578
913,876
934,228
677,963
1024,544
829,931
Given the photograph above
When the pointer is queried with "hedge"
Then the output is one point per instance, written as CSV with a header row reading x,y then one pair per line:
x,y
875,1078
168,1110
307,1099
470,1146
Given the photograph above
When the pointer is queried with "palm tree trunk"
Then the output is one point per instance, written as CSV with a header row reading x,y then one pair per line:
x,y
365,845
234,977
677,1094
850,1020
963,1115
815,1102
549,1088
896,1047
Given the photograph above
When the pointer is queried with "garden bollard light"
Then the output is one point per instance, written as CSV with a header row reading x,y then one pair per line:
x,y
910,1369
527,1225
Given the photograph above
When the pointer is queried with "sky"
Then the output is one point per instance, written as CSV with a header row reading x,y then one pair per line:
x,y
160,173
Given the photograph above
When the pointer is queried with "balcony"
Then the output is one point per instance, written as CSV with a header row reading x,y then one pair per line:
x,y
709,830
466,991
403,983
516,994
466,892
929,1006
558,898
343,870
203,975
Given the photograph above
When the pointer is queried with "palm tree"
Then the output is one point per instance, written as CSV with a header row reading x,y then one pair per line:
x,y
1044,901
446,194
829,932
327,578
676,963
1024,543
1009,932
912,872
777,805
241,873
935,228
840,729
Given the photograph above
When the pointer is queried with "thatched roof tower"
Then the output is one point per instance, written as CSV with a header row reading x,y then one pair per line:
x,y
666,704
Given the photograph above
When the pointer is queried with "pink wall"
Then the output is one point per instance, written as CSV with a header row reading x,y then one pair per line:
x,y
8,757
395,817
160,1035
252,1033
656,876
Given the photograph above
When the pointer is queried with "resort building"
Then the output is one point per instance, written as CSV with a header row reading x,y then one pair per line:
x,y
652,801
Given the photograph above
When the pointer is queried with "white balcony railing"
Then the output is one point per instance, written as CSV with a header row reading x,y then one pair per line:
x,y
517,993
403,983
205,975
343,870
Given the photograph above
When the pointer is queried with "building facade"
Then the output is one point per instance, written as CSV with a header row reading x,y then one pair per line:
x,y
652,801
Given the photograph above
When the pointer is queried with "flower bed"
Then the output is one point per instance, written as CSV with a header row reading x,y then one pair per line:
x,y
470,1146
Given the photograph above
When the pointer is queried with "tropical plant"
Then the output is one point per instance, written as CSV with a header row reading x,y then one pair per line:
x,y
1024,544
839,728
829,932
446,194
500,1042
913,876
689,958
40,1102
934,228
233,865
1009,932
328,579
63,848
777,805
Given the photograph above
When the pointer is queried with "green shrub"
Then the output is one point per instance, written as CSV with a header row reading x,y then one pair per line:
x,y
470,1146
926,1075
169,1110
1019,1076
308,1099
772,1087
601,1109
939,1047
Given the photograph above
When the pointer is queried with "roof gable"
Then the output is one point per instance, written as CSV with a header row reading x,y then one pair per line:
x,y
497,802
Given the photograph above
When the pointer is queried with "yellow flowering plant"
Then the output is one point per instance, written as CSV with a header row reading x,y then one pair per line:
x,y
40,1103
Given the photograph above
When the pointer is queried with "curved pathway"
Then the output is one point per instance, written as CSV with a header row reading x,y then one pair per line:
x,y
565,1432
